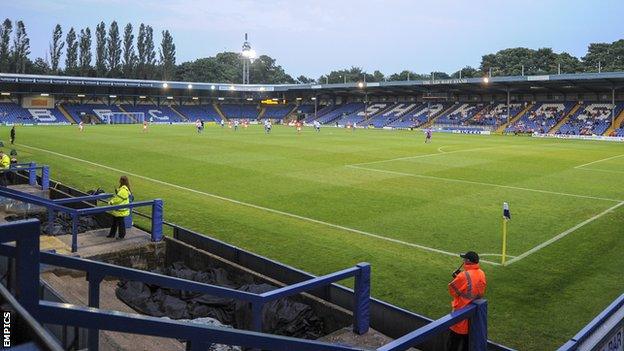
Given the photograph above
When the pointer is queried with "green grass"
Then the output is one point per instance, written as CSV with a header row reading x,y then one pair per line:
x,y
449,201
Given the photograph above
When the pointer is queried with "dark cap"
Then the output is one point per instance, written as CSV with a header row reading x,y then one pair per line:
x,y
470,256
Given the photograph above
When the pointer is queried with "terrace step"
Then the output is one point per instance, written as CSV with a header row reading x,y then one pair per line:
x,y
218,109
183,117
565,118
73,288
513,120
438,115
66,114
618,121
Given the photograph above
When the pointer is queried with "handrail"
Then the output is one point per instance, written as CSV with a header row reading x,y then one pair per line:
x,y
56,205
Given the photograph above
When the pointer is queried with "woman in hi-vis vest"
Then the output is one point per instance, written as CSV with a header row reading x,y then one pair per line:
x,y
121,197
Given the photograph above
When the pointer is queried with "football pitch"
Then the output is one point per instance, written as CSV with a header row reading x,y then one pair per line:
x,y
324,201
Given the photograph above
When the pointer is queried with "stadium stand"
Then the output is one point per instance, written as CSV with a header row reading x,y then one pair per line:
x,y
235,111
320,112
460,114
540,118
590,119
494,115
359,116
278,111
14,113
418,116
340,111
163,114
391,114
77,111
201,112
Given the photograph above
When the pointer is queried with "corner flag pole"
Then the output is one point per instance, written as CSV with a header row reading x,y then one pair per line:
x,y
506,217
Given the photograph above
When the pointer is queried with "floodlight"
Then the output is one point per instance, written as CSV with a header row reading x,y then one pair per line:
x,y
249,99
165,85
190,86
45,94
213,87
112,96
81,95
195,98
221,98
360,85
142,97
169,97
486,80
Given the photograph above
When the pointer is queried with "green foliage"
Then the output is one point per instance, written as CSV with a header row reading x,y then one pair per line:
x,y
129,56
167,53
21,48
56,48
100,50
85,52
71,59
5,40
113,50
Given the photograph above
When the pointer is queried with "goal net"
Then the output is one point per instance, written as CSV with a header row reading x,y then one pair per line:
x,y
123,117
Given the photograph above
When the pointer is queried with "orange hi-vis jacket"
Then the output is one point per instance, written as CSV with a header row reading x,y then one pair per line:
x,y
467,286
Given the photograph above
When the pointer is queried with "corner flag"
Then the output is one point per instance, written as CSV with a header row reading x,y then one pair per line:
x,y
506,217
506,213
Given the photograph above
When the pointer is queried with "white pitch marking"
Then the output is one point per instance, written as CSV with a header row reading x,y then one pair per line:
x,y
372,235
601,160
485,184
562,234
425,155
599,170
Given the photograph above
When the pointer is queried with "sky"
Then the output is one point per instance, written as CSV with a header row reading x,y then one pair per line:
x,y
315,37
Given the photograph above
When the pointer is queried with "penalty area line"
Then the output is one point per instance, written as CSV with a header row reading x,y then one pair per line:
x,y
562,234
287,214
601,160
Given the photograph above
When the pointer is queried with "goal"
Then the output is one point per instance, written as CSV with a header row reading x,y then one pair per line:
x,y
123,117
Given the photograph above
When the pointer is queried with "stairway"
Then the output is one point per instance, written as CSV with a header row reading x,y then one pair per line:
x,y
66,114
565,118
619,119
515,118
183,117
73,288
216,107
441,113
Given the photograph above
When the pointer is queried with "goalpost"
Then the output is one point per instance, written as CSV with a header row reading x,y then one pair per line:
x,y
123,117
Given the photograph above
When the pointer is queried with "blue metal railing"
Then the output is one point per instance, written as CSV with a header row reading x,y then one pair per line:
x,y
32,169
605,330
53,206
28,258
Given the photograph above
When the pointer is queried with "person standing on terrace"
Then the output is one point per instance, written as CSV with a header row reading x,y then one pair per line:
x,y
121,197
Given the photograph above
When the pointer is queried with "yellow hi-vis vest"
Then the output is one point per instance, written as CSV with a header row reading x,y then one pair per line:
x,y
5,161
122,197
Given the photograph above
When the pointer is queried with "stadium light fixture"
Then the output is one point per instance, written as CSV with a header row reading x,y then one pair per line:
x,y
231,87
169,97
45,94
213,87
190,86
112,96
142,97
275,99
165,85
360,85
261,88
5,94
249,99
195,98
221,98
313,98
486,80
81,95
299,99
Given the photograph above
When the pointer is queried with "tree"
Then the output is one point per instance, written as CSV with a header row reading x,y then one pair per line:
x,y
167,55
129,57
21,48
305,80
85,51
71,59
100,49
56,48
439,75
407,75
40,66
377,77
467,72
113,49
150,52
146,52
5,39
